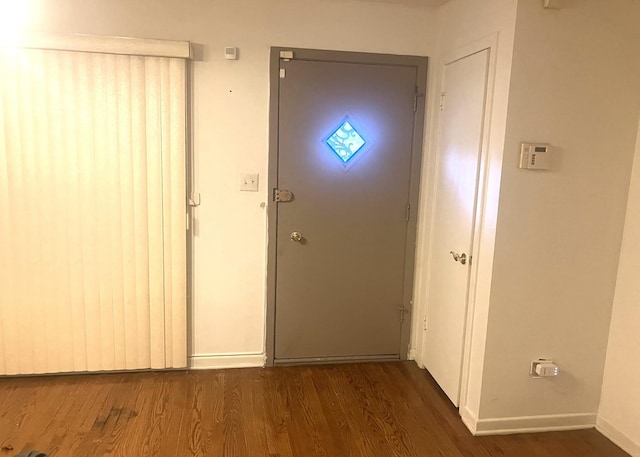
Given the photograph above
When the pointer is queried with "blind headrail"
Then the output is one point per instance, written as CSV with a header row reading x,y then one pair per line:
x,y
101,44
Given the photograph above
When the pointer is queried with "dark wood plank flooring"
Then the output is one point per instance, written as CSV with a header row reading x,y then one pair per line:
x,y
375,409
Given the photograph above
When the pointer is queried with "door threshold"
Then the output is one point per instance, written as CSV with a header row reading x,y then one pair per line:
x,y
336,359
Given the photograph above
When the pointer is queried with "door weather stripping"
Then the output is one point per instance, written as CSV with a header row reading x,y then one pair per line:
x,y
286,55
282,195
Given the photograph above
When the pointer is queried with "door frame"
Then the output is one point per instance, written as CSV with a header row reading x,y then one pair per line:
x,y
418,62
473,322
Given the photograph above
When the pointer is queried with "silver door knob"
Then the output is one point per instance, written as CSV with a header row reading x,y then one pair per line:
x,y
295,236
462,258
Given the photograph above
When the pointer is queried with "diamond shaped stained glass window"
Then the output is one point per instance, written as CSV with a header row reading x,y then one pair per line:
x,y
345,142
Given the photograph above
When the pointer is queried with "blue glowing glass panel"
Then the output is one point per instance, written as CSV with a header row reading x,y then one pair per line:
x,y
345,142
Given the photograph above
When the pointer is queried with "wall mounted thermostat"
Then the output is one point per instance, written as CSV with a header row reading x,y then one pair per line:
x,y
535,156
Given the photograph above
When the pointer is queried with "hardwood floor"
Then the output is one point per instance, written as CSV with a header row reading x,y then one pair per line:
x,y
376,409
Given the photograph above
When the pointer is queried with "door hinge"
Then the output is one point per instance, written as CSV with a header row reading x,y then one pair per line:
x,y
283,73
193,202
443,95
424,323
403,311
282,195
408,211
194,199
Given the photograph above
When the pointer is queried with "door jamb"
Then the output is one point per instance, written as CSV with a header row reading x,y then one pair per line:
x,y
420,63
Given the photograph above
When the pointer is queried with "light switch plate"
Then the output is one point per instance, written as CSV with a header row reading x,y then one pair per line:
x,y
249,182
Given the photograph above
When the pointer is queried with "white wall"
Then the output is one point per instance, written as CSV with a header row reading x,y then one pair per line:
x,y
462,23
575,84
551,283
230,126
619,414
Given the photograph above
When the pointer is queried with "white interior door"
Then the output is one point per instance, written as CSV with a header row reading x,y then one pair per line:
x,y
460,143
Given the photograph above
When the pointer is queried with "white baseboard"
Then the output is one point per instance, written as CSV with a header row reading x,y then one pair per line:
x,y
526,424
619,438
468,419
236,360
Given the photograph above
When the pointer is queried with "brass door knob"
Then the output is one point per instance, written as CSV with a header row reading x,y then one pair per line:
x,y
296,236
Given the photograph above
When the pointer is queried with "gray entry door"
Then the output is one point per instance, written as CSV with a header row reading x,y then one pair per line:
x,y
345,133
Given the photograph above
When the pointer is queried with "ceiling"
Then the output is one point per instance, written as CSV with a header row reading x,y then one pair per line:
x,y
412,2
409,3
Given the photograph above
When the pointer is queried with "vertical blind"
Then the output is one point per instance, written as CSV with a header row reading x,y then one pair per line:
x,y
92,211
